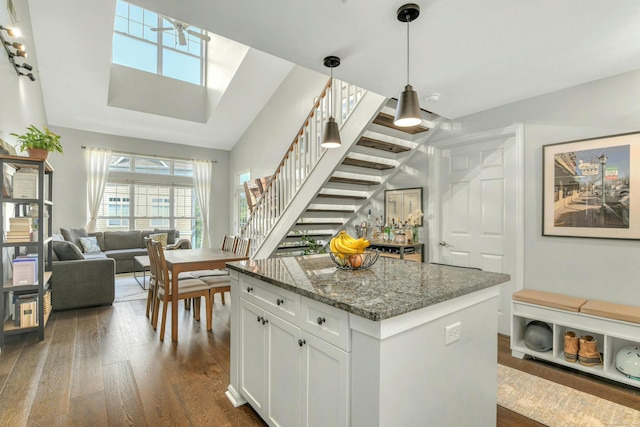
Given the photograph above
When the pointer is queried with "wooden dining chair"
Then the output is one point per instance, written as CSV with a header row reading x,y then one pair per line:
x,y
187,288
152,277
222,283
228,243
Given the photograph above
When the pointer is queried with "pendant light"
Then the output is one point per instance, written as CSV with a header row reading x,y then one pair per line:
x,y
331,134
408,109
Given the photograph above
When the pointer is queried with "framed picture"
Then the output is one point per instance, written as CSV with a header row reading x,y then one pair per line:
x,y
398,204
591,188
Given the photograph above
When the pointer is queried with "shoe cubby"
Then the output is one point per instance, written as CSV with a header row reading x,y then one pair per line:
x,y
611,335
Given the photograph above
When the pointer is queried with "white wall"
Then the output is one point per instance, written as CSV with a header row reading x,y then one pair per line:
x,y
21,103
266,141
593,268
70,193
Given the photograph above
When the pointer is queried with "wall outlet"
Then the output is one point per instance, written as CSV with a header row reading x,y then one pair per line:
x,y
452,333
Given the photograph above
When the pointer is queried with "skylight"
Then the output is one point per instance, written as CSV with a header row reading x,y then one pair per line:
x,y
154,43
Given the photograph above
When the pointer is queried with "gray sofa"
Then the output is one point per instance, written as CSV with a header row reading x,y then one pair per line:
x,y
88,279
82,283
122,246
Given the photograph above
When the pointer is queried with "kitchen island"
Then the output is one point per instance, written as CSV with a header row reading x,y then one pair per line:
x,y
400,343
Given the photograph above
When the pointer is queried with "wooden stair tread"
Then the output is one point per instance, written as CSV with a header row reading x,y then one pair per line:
x,y
330,210
320,223
341,196
386,120
352,181
366,164
382,145
298,236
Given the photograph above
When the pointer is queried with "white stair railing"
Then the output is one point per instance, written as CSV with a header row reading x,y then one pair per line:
x,y
301,157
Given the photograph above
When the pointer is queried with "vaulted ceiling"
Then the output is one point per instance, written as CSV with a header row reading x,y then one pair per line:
x,y
476,54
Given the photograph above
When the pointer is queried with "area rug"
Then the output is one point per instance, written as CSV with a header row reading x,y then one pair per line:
x,y
553,404
128,289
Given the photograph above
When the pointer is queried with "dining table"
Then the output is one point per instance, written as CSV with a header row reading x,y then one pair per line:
x,y
183,260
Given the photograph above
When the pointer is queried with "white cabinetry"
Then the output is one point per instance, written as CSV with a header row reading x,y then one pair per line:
x,y
290,376
610,334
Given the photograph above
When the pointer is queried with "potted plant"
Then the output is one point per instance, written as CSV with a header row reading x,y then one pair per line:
x,y
38,143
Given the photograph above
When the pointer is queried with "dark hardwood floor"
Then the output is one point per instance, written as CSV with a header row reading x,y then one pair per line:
x,y
105,366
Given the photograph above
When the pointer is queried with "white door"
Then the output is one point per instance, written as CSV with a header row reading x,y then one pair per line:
x,y
253,355
479,218
325,384
283,373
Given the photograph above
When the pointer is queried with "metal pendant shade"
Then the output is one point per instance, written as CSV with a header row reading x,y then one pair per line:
x,y
331,132
408,110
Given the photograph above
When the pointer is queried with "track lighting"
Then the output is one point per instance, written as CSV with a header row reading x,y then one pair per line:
x,y
19,53
408,109
25,66
331,134
30,75
18,46
12,32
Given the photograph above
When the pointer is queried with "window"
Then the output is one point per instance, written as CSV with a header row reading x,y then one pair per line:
x,y
241,208
144,193
175,53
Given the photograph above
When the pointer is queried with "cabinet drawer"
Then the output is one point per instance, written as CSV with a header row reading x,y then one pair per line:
x,y
326,322
276,300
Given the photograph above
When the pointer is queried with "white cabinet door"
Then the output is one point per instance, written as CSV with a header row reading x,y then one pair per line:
x,y
325,384
253,355
283,372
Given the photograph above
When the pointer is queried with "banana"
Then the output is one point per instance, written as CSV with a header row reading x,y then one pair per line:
x,y
343,243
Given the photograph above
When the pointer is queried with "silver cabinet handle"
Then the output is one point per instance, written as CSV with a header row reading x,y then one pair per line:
x,y
443,243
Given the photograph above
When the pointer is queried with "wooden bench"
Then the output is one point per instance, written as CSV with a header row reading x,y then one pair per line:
x,y
549,299
612,325
626,313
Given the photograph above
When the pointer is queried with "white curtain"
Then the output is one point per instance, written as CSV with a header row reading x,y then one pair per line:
x,y
202,183
97,163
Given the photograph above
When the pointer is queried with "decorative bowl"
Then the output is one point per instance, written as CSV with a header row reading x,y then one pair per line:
x,y
354,261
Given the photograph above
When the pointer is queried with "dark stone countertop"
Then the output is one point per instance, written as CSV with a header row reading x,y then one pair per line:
x,y
389,288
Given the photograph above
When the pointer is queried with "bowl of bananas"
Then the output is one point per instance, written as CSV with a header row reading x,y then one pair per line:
x,y
350,254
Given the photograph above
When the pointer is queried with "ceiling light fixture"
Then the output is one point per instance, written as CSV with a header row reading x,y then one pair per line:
x,y
331,134
30,75
20,52
18,46
13,32
408,109
24,65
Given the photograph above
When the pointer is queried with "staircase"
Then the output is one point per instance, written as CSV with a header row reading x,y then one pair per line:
x,y
377,155
316,192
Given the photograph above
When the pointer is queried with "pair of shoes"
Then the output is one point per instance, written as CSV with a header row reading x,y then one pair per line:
x,y
583,349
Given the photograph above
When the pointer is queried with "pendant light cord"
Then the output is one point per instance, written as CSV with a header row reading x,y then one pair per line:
x,y
331,95
408,22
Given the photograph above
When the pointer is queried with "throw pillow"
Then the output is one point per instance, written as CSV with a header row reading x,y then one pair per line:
x,y
66,251
73,235
90,245
171,235
159,237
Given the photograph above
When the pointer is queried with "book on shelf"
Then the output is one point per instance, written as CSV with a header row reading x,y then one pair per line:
x,y
25,271
25,185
